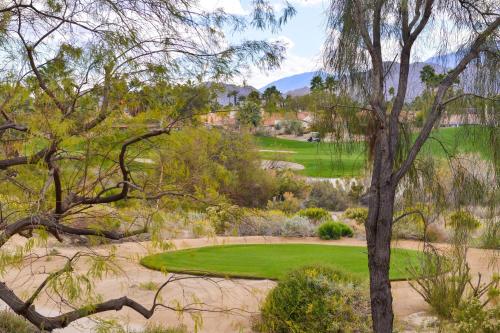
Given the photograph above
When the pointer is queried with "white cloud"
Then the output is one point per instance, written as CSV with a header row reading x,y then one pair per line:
x,y
293,64
307,2
288,42
230,6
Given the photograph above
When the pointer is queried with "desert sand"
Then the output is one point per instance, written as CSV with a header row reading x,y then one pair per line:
x,y
235,302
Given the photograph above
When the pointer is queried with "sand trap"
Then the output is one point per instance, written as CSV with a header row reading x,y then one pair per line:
x,y
281,165
244,296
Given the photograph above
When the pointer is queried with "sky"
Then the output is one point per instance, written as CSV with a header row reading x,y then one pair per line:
x,y
305,35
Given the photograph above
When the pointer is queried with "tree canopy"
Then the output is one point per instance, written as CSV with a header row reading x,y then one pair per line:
x,y
88,89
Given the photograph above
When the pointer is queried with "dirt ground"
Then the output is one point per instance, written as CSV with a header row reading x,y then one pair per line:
x,y
236,301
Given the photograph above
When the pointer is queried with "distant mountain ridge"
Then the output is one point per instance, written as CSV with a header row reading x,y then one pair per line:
x,y
223,93
298,84
293,82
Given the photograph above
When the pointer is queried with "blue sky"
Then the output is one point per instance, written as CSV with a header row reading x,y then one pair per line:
x,y
305,34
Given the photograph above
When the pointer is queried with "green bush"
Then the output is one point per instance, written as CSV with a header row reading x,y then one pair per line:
x,y
325,195
294,127
315,214
346,230
360,215
12,323
316,299
288,181
334,230
290,204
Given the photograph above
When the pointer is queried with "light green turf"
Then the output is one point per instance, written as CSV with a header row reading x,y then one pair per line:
x,y
349,159
273,261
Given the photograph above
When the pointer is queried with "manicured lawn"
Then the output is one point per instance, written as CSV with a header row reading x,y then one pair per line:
x,y
349,159
323,159
272,261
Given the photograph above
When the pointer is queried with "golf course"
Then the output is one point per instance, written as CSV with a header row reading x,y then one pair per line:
x,y
273,261
332,160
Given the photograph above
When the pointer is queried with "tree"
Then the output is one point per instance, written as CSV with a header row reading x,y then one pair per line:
x,y
330,84
429,77
249,114
87,88
317,83
272,99
254,96
363,27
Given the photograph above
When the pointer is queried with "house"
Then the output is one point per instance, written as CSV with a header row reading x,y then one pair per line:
x,y
220,119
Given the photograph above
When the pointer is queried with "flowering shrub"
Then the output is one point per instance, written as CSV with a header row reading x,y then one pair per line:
x,y
314,214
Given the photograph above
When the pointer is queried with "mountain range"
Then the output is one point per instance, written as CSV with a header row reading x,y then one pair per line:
x,y
298,84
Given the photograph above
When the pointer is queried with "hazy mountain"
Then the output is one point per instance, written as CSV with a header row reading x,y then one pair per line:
x,y
415,85
293,82
448,60
223,89
298,85
299,92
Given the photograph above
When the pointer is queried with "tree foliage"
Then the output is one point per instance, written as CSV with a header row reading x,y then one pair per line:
x,y
89,90
354,52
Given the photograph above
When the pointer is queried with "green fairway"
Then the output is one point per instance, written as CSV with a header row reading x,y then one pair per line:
x,y
332,160
323,159
272,261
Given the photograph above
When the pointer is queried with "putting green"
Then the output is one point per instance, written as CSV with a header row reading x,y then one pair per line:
x,y
273,261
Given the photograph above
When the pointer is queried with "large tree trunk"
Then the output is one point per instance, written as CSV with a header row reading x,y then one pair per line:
x,y
378,236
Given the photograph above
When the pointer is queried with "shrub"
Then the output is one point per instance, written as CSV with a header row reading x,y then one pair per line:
x,y
261,223
472,317
314,214
288,181
297,226
330,230
294,127
444,281
356,191
224,217
436,233
275,223
325,195
211,164
316,299
360,215
13,323
289,204
334,230
346,230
